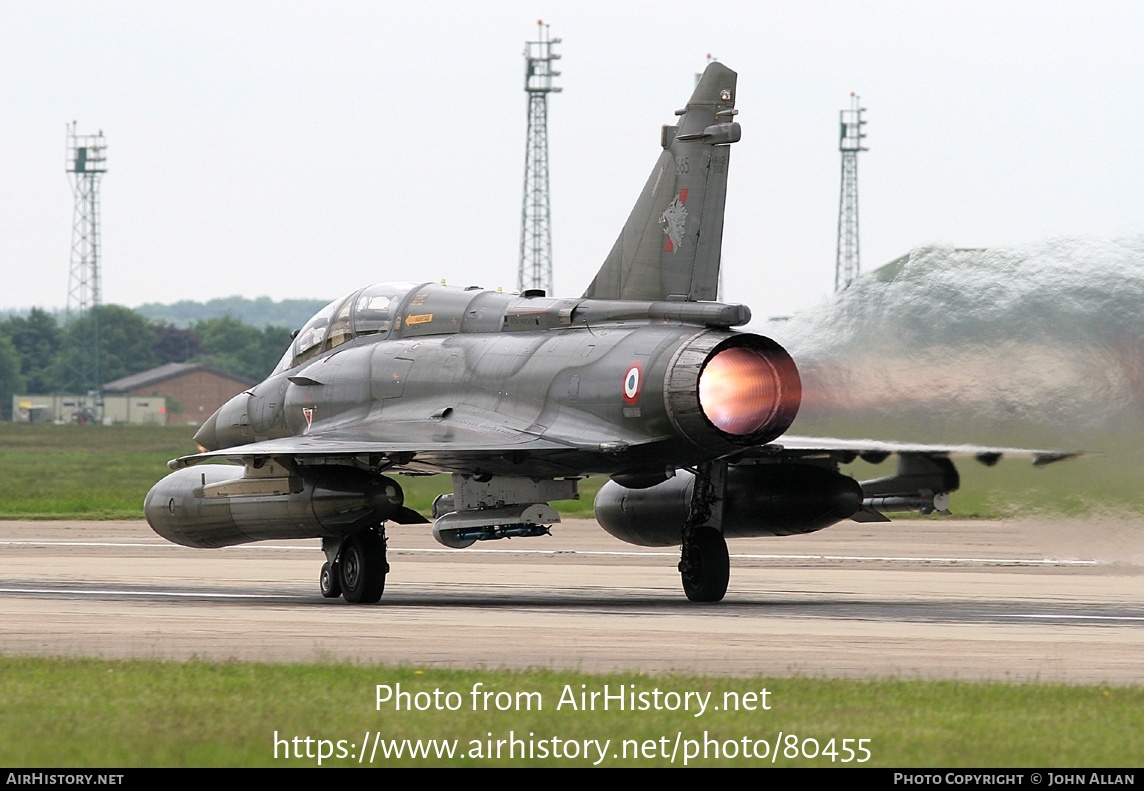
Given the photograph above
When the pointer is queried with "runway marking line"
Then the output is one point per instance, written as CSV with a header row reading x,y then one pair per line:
x,y
600,553
173,594
1073,617
210,595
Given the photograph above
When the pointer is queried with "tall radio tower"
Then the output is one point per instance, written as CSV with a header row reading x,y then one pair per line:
x,y
850,142
86,163
535,218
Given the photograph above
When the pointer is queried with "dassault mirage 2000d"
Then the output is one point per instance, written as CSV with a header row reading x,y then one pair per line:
x,y
519,397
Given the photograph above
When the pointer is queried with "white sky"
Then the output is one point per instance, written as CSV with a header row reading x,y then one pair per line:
x,y
305,149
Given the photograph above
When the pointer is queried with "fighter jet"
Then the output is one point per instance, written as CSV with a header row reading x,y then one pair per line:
x,y
518,397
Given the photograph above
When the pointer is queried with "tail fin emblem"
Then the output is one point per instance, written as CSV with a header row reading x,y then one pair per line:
x,y
674,219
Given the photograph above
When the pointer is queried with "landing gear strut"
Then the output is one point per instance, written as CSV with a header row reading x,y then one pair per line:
x,y
704,563
358,572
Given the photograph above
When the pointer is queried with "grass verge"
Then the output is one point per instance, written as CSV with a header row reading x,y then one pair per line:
x,y
84,472
87,712
104,472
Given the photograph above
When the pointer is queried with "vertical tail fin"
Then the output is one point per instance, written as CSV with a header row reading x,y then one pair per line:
x,y
670,246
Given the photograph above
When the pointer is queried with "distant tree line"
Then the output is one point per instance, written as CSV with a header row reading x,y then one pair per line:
x,y
39,356
260,312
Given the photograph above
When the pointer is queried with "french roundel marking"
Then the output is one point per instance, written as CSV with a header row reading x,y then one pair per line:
x,y
633,381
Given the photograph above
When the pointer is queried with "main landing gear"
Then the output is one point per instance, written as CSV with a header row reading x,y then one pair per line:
x,y
704,563
355,568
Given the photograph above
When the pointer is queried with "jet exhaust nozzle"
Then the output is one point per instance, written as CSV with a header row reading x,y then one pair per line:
x,y
738,390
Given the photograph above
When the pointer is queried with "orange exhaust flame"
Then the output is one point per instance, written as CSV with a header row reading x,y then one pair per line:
x,y
739,391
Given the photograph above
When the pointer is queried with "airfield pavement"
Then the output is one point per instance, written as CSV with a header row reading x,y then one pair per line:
x,y
1047,600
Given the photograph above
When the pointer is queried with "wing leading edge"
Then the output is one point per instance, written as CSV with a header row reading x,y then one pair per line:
x,y
846,450
327,446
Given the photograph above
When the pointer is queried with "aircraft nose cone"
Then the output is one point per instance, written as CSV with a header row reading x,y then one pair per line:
x,y
207,435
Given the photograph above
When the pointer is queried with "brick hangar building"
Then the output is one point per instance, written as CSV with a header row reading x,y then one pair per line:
x,y
193,391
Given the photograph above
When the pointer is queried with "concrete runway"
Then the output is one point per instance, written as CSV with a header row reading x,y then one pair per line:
x,y
1029,601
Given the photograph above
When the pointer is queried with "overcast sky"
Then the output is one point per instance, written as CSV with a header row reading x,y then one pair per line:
x,y
305,149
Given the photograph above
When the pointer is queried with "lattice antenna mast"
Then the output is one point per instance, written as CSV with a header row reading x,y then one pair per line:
x,y
850,142
86,163
535,218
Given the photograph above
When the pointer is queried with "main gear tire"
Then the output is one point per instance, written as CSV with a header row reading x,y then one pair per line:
x,y
706,569
362,568
329,582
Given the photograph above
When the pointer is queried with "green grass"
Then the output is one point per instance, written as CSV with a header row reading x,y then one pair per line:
x,y
104,472
84,472
1014,487
1105,481
87,712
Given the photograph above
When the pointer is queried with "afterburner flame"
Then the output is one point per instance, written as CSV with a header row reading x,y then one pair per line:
x,y
739,390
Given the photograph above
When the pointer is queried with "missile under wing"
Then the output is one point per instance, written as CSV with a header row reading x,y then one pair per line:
x,y
518,397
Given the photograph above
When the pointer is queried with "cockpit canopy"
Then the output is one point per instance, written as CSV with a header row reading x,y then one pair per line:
x,y
367,311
